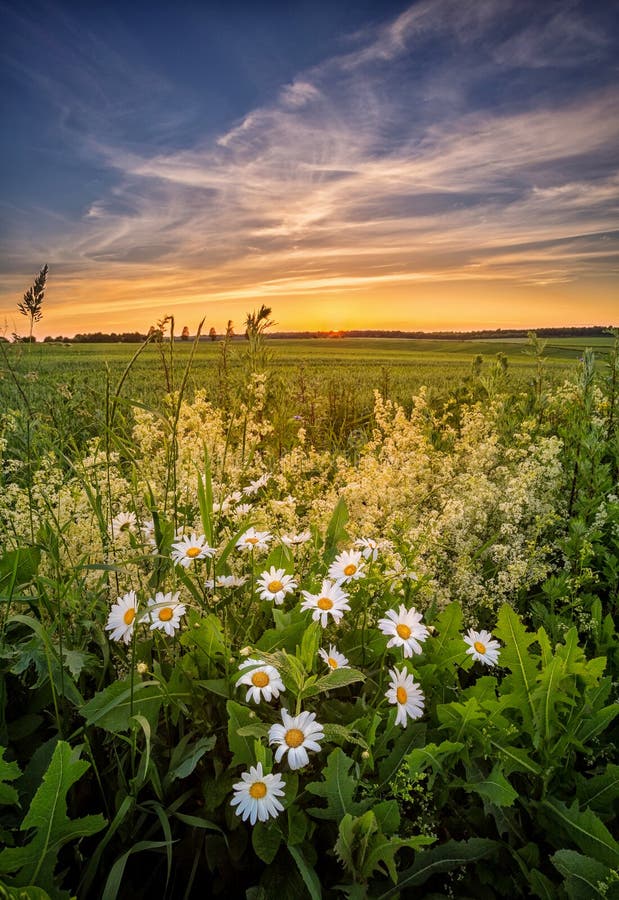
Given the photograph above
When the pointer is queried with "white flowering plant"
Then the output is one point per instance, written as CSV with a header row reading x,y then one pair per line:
x,y
278,670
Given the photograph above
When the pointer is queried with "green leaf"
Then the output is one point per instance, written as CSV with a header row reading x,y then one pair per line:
x,y
516,657
308,874
495,788
583,876
432,756
186,756
541,886
9,771
336,679
336,530
111,708
205,637
449,856
515,759
265,839
585,829
35,861
337,788
18,567
410,738
28,892
601,791
242,746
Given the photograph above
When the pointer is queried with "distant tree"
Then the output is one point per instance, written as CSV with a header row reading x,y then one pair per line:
x,y
33,298
185,333
212,333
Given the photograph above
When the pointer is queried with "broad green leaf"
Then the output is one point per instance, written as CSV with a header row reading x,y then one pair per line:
x,y
600,791
541,886
336,530
583,876
112,709
242,747
18,567
516,657
336,679
28,892
308,874
337,787
9,771
186,756
515,759
265,839
432,756
495,788
406,740
35,861
585,829
206,638
445,858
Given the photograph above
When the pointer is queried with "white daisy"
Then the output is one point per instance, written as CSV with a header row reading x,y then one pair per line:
x,y
293,540
243,509
254,540
275,584
296,736
406,694
148,534
333,658
331,601
165,612
124,521
406,628
254,486
256,795
121,619
368,547
187,550
264,681
347,566
482,646
226,581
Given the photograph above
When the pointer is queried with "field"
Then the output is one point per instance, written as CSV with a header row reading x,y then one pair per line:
x,y
322,618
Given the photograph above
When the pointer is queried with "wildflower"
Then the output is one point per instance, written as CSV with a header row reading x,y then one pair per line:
x,y
165,612
264,681
406,628
185,551
141,668
368,547
292,540
296,736
482,646
243,509
275,584
122,617
331,600
124,521
408,696
333,658
254,486
148,533
226,581
254,540
256,795
347,566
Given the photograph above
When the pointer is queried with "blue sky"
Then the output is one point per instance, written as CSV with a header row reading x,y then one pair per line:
x,y
441,162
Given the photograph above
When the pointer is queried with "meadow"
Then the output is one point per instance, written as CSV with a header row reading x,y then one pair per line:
x,y
320,618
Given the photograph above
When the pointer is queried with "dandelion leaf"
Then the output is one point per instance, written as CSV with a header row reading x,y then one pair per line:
x,y
34,862
241,745
444,858
9,771
585,878
494,789
523,666
584,829
600,792
337,788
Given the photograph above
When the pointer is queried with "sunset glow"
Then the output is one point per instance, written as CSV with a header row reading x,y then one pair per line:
x,y
437,165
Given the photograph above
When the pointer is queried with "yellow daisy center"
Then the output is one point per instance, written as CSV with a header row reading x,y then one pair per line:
x,y
258,790
192,552
324,603
401,695
332,662
481,648
129,616
294,737
251,540
274,586
403,631
166,614
260,679
350,569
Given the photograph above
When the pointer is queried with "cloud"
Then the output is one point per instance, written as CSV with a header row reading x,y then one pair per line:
x,y
351,180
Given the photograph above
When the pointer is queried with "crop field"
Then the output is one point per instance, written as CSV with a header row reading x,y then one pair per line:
x,y
309,619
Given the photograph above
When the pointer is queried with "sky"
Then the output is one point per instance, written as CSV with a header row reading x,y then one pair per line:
x,y
440,164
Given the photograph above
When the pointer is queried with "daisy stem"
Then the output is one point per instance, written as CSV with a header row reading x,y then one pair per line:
x,y
131,691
